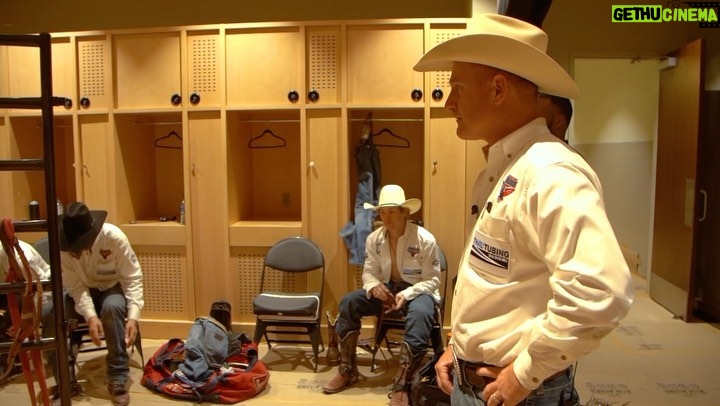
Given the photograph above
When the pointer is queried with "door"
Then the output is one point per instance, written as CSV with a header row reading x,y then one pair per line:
x,y
674,245
707,295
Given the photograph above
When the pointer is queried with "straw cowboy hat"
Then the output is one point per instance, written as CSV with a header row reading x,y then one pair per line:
x,y
79,226
394,195
505,43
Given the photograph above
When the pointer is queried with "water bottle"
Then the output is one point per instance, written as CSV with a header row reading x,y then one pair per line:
x,y
60,209
182,212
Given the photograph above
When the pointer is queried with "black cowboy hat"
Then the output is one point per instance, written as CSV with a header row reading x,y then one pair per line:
x,y
79,226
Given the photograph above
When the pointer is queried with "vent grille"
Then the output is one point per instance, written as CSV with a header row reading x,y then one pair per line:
x,y
323,61
203,65
92,69
164,283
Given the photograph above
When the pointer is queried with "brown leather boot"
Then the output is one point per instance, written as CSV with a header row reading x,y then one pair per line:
x,y
409,363
347,371
333,353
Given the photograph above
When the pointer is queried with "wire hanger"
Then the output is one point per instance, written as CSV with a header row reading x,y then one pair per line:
x,y
405,141
158,144
267,132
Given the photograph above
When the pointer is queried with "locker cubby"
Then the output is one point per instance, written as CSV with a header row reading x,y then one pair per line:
x,y
23,73
147,71
149,168
264,170
380,60
263,66
26,141
399,137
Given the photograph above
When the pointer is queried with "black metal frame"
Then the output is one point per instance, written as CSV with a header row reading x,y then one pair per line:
x,y
45,103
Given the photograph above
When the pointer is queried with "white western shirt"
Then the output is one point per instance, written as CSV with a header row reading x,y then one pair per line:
x,y
542,278
416,259
110,261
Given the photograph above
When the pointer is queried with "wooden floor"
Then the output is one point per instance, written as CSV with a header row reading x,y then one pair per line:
x,y
651,359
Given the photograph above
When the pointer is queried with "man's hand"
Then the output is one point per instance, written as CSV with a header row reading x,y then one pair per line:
x,y
443,368
506,390
131,331
383,294
399,303
96,330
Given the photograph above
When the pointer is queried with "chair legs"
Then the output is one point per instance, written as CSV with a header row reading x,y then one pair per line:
x,y
313,332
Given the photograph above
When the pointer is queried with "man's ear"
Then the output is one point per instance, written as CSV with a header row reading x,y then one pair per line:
x,y
500,87
558,125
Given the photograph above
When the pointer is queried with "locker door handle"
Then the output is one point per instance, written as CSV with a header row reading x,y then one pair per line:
x,y
704,208
193,169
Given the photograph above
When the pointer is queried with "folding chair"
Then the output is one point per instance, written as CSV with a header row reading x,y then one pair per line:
x,y
282,312
396,321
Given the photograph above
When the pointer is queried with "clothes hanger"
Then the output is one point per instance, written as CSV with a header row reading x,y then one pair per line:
x,y
170,134
405,144
267,131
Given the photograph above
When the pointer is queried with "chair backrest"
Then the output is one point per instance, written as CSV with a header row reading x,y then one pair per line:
x,y
42,246
294,254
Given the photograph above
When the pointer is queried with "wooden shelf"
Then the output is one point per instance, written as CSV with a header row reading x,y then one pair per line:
x,y
146,232
262,233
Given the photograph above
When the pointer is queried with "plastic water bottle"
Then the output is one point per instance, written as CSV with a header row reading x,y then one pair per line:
x,y
60,208
182,212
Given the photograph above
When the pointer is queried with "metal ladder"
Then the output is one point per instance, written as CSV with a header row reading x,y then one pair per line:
x,y
45,103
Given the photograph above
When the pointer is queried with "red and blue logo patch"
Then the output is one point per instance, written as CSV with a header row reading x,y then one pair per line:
x,y
508,186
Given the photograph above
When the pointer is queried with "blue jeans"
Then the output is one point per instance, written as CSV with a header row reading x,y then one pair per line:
x,y
367,162
111,307
420,314
553,392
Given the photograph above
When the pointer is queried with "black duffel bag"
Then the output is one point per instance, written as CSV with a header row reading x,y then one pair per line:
x,y
425,391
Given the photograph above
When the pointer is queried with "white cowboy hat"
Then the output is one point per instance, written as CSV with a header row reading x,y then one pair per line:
x,y
505,43
394,195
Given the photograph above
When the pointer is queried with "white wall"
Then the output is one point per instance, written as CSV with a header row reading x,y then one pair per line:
x,y
614,127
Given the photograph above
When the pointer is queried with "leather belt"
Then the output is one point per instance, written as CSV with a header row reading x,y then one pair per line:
x,y
465,372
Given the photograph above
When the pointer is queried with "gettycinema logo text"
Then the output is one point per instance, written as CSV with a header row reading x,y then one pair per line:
x,y
704,13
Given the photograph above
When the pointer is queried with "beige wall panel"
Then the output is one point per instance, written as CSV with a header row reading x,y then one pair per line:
x,y
147,70
263,66
324,180
206,210
95,145
323,63
204,68
446,206
93,72
380,60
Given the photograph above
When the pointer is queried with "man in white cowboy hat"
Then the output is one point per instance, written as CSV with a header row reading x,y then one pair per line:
x,y
542,278
401,272
103,280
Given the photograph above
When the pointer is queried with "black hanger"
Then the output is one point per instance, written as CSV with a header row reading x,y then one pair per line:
x,y
405,144
170,134
267,131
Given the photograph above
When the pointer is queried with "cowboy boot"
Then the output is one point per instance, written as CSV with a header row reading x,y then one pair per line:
x,y
333,353
409,363
347,371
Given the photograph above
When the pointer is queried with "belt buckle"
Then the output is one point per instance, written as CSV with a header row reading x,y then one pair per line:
x,y
456,367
